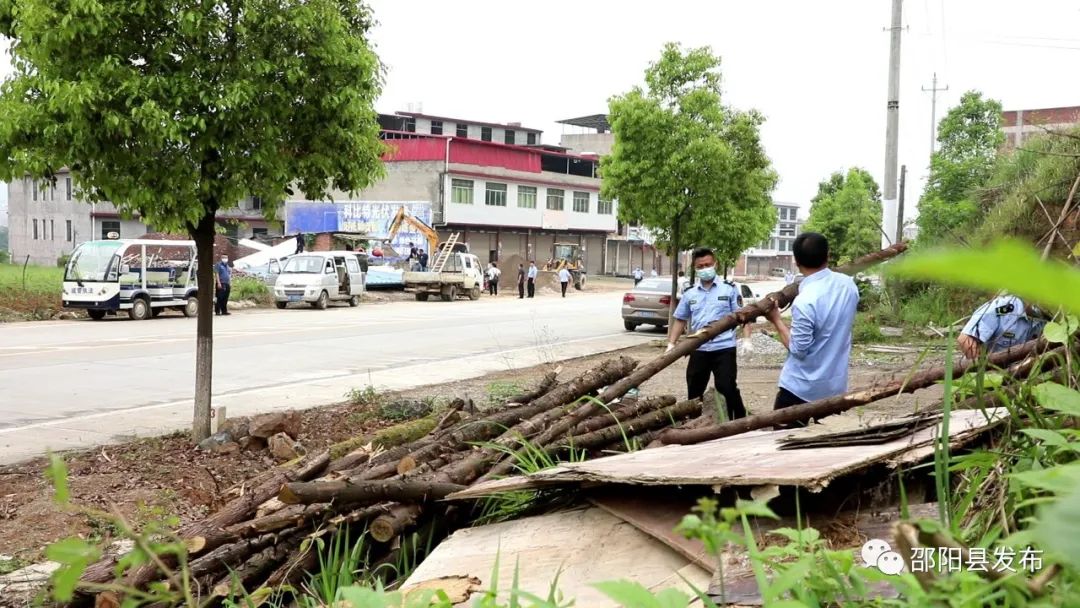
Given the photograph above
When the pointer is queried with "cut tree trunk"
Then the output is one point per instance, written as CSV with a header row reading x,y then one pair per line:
x,y
626,410
349,492
841,403
744,315
546,384
387,527
389,437
631,428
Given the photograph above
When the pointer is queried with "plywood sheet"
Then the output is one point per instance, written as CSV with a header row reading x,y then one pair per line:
x,y
749,459
657,517
578,547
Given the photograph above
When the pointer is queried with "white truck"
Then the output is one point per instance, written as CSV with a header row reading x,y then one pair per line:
x,y
461,275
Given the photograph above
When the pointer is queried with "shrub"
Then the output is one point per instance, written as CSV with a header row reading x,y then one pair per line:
x,y
250,288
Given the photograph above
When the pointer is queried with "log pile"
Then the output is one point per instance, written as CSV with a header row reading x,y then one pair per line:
x,y
391,484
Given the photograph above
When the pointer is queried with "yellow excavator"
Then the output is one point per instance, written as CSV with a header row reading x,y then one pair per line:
x,y
568,256
404,217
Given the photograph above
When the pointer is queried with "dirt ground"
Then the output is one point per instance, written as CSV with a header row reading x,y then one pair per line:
x,y
158,478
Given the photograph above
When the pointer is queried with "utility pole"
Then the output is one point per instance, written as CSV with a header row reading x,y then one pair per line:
x,y
900,207
892,127
933,90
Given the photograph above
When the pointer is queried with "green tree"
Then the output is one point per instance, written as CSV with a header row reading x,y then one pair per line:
x,y
969,136
688,168
175,109
847,210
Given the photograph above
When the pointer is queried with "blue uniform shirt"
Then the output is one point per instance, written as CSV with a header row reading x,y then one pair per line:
x,y
1002,323
224,273
702,306
820,345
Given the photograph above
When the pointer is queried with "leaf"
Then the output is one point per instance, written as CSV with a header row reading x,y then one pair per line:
x,y
755,509
74,555
1056,333
1059,527
629,594
1059,480
57,474
1047,436
1076,250
1007,264
1058,398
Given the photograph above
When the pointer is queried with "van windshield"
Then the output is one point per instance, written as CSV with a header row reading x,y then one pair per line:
x,y
304,264
92,261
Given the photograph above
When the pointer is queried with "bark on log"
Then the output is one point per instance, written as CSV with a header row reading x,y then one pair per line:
x,y
230,556
546,384
212,528
840,403
291,516
746,314
389,437
626,410
634,427
255,568
351,492
385,528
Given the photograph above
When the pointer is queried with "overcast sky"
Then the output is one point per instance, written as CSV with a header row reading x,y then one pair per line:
x,y
817,70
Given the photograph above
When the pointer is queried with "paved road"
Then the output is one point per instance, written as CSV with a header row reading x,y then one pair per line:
x,y
80,383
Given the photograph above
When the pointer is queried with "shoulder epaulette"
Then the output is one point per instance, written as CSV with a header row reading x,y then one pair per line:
x,y
1005,308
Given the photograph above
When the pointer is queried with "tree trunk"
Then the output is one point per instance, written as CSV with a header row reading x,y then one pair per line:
x,y
349,492
626,410
385,528
675,244
633,427
840,403
545,385
204,343
744,315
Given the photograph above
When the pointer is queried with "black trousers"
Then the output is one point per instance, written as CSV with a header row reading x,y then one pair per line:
x,y
532,287
521,290
564,289
721,365
493,288
786,398
221,301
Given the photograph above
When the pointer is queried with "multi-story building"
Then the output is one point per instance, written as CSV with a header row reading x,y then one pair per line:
x,y
775,252
1021,124
47,219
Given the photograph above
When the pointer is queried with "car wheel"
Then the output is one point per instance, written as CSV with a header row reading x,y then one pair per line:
x,y
140,309
323,301
96,315
474,293
448,293
281,305
354,301
629,325
191,307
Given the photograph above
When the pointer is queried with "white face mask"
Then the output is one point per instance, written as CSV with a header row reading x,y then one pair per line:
x,y
224,260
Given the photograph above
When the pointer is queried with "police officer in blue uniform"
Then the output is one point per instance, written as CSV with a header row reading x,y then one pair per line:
x,y
705,302
1001,323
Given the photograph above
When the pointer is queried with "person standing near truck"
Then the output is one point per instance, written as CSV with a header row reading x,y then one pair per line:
x,y
493,275
223,280
521,281
564,280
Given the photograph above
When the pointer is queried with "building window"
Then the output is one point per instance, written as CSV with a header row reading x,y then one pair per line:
x,y
256,203
70,233
581,202
605,208
67,181
259,233
52,230
410,124
108,226
526,197
462,130
555,199
461,191
508,136
787,229
35,230
531,139
436,127
485,133
495,196
34,186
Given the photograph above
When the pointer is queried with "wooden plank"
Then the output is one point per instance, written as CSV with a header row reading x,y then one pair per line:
x,y
578,547
658,518
749,459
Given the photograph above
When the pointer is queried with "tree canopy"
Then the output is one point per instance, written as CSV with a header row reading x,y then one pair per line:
x,y
175,109
969,136
847,210
687,167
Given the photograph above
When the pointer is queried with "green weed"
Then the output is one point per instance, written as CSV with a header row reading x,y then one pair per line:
x,y
250,288
501,392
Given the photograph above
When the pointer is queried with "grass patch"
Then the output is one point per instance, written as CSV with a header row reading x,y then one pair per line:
x,y
7,566
33,295
250,288
501,392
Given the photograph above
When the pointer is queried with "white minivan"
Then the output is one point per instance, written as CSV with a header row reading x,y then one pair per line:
x,y
318,278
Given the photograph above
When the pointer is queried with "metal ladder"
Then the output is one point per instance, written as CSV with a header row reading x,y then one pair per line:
x,y
445,253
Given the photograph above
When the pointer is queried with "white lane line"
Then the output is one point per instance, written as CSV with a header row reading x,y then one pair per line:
x,y
419,366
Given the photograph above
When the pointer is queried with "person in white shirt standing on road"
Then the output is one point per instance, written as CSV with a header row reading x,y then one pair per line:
x,y
493,275
564,280
819,340
532,279
707,301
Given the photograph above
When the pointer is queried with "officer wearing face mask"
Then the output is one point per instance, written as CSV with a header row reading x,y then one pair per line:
x,y
700,305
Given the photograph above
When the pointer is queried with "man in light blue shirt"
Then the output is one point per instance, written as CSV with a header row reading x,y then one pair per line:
x,y
532,279
708,301
819,340
999,324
